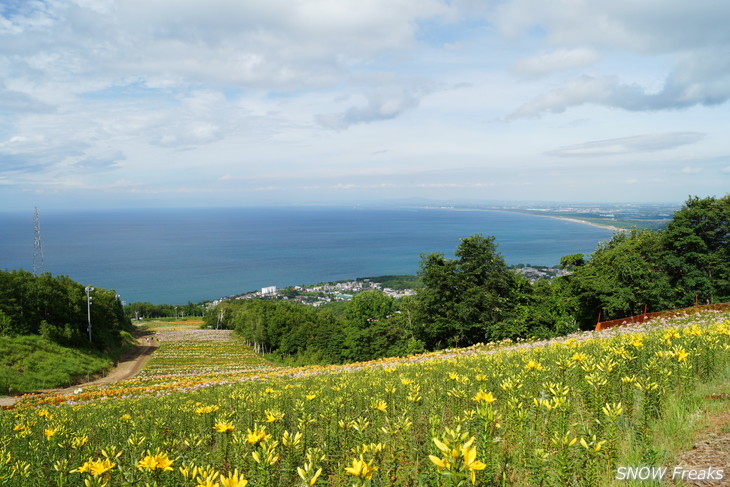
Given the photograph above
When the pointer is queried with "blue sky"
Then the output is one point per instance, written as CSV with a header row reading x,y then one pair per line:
x,y
180,103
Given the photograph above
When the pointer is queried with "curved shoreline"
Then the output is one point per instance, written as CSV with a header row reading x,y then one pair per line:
x,y
527,212
584,222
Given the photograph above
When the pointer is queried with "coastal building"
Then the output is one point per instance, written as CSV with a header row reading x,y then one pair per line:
x,y
268,291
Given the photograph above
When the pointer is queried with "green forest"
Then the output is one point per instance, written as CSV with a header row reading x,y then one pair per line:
x,y
56,308
476,298
45,339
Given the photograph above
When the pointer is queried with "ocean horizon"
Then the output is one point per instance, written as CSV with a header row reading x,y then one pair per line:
x,y
172,256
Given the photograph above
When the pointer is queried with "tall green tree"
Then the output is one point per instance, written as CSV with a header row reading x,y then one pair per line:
x,y
367,307
368,332
464,299
55,307
697,241
621,277
544,309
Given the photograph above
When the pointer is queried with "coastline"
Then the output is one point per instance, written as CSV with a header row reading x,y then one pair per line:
x,y
166,260
585,222
613,228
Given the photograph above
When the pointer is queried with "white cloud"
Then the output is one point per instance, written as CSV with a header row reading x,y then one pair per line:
x,y
344,186
691,35
260,45
628,145
678,92
17,101
577,92
378,107
232,98
624,24
456,185
691,170
559,59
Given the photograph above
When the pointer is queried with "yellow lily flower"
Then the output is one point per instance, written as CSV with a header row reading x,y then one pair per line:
x,y
224,427
441,463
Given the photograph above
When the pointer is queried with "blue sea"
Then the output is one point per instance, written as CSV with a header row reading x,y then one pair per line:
x,y
174,256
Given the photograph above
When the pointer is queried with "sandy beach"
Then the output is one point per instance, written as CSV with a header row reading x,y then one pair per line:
x,y
584,222
528,212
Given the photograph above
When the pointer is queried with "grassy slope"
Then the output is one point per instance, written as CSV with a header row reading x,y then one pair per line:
x,y
30,363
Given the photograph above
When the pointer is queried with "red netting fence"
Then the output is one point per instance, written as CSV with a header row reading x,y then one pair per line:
x,y
604,325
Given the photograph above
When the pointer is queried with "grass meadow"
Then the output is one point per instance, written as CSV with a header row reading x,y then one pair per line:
x,y
209,412
44,364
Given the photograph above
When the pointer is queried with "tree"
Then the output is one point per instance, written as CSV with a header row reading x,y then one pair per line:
x,y
367,307
697,241
572,261
55,308
622,276
6,326
464,299
543,310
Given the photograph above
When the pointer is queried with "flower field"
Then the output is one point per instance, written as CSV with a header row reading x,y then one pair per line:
x,y
200,352
212,413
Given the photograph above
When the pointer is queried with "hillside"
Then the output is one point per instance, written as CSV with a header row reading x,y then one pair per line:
x,y
30,363
209,407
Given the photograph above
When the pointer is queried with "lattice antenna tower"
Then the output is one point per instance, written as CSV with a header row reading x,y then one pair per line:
x,y
38,267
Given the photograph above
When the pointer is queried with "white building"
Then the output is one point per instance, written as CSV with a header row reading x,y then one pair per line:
x,y
267,291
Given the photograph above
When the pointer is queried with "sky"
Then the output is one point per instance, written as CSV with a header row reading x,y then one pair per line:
x,y
188,103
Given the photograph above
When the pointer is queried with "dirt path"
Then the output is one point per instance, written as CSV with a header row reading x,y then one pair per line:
x,y
130,365
711,450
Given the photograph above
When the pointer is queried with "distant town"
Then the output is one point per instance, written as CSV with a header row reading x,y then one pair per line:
x,y
535,273
396,287
328,292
